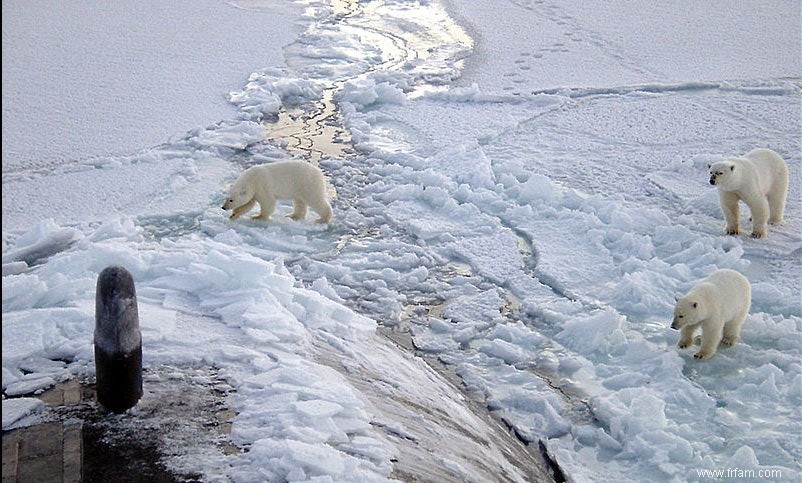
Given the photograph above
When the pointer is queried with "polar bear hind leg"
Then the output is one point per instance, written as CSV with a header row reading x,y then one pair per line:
x,y
778,193
777,205
732,329
760,217
323,208
299,211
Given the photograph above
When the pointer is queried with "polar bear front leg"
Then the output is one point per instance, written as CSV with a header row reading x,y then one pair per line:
x,y
686,336
240,210
729,206
760,217
267,207
711,337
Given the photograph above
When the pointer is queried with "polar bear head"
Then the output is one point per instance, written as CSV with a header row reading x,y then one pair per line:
x,y
687,311
725,174
240,194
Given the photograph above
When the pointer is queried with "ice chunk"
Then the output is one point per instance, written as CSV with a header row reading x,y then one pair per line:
x,y
15,409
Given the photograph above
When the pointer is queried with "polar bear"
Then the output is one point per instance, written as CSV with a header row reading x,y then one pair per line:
x,y
719,304
299,181
760,179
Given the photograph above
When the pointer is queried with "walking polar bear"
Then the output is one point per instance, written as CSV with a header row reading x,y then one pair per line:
x,y
760,179
265,184
719,305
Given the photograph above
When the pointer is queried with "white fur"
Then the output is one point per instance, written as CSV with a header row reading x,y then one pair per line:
x,y
298,181
760,179
719,305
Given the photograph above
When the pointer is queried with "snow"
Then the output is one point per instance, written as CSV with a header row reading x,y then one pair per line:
x,y
525,195
99,81
17,409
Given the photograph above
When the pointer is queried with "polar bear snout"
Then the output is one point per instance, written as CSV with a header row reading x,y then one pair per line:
x,y
719,173
678,322
228,204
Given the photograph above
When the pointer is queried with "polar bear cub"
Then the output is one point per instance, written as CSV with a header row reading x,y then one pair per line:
x,y
719,304
299,181
760,179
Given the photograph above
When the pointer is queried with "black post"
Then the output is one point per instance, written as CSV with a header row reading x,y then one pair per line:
x,y
118,341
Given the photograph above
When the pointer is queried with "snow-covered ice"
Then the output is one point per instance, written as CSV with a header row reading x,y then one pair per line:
x,y
523,195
